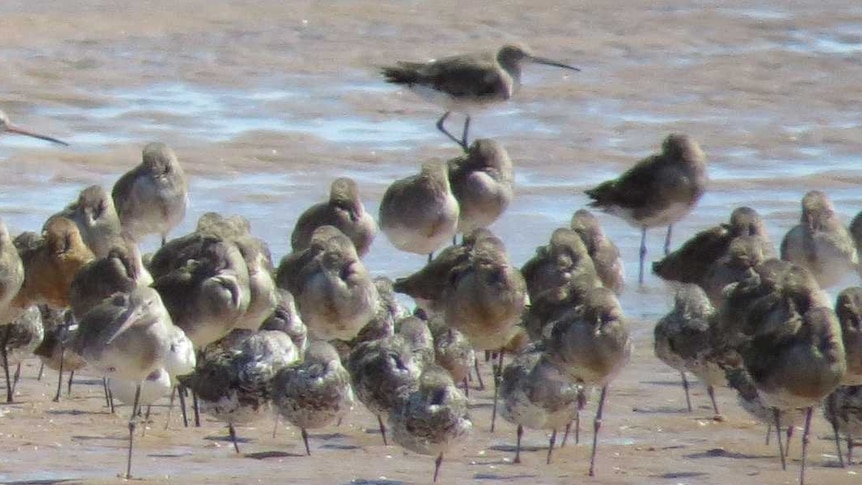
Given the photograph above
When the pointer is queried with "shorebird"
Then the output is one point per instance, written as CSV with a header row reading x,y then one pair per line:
x,y
334,292
432,418
603,251
116,272
464,83
683,339
482,181
156,386
657,191
419,214
564,259
696,257
97,219
388,312
418,336
534,394
20,337
11,276
234,384
843,409
258,261
126,337
343,210
590,345
315,392
51,263
203,282
820,242
52,352
152,197
7,127
285,317
744,253
383,372
453,351
848,309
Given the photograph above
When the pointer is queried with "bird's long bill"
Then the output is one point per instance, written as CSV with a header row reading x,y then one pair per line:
x,y
132,316
551,62
21,131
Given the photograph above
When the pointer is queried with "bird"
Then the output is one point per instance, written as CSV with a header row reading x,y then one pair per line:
x,y
696,257
564,259
452,351
234,384
603,251
314,392
97,219
684,340
848,309
116,272
843,409
6,126
19,338
285,317
334,292
590,345
432,418
152,197
820,242
536,395
344,210
466,82
12,275
743,254
382,373
657,191
482,182
419,213
127,337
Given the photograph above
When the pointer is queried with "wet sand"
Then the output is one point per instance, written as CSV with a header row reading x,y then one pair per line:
x,y
266,102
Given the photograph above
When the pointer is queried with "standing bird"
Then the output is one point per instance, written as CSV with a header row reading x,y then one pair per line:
x,y
19,338
483,182
433,418
604,253
657,191
848,309
590,345
820,242
7,127
152,197
126,337
315,392
343,210
97,219
467,82
419,214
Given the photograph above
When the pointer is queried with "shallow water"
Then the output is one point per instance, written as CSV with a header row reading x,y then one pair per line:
x,y
266,103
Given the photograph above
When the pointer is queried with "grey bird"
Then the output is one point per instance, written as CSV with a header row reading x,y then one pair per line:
x,y
483,182
657,191
466,82
97,219
603,251
152,197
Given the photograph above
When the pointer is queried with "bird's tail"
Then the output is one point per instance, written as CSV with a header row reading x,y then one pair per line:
x,y
403,73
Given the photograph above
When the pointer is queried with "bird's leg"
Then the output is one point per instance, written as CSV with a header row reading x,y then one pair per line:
x,y
642,256
834,424
69,384
60,377
849,449
275,426
197,409
685,387
566,434
443,129
232,431
776,414
171,407
466,388
667,240
181,392
582,403
519,433
16,377
133,422
107,394
498,374
382,430
768,432
464,143
41,370
805,444
305,440
789,435
597,424
437,464
711,391
478,374
551,446
3,352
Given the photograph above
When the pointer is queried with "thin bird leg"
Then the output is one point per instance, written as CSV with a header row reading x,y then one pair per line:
x,y
16,377
171,407
133,422
834,424
60,377
849,449
498,374
566,434
437,463
551,446
305,440
582,403
711,391
789,435
69,384
776,414
382,430
768,432
232,431
197,409
685,387
446,132
275,426
41,371
519,433
464,143
6,364
597,424
642,256
805,444
667,240
181,392
478,374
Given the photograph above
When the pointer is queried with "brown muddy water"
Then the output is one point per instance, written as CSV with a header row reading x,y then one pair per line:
x,y
267,101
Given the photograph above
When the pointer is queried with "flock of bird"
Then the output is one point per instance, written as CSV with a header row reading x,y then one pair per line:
x,y
210,314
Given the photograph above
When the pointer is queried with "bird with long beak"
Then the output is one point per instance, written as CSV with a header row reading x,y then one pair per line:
x,y
465,82
6,126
